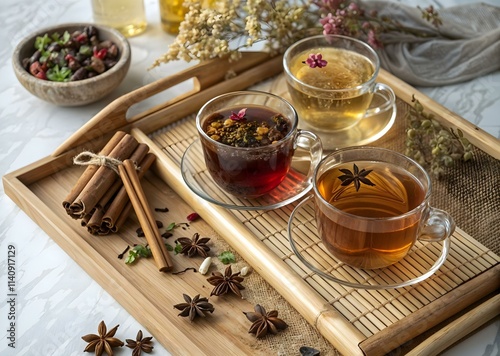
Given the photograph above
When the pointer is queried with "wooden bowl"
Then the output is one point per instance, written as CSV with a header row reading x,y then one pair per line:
x,y
73,93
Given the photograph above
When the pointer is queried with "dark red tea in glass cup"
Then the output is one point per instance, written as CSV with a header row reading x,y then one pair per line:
x,y
248,140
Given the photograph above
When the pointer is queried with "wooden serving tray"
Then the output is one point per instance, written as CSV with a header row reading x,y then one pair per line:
x,y
354,321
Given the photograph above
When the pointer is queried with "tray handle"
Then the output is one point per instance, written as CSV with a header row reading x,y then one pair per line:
x,y
114,115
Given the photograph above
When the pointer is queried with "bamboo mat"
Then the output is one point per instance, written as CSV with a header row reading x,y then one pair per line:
x,y
369,311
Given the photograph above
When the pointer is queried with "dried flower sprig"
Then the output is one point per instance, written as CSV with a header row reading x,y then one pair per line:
x,y
229,26
430,144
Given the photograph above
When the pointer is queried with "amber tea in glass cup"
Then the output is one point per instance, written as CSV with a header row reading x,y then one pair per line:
x,y
331,82
372,204
248,140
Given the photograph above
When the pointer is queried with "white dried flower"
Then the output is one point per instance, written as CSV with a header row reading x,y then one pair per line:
x,y
227,26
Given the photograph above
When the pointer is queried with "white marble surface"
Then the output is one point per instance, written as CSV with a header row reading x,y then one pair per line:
x,y
56,301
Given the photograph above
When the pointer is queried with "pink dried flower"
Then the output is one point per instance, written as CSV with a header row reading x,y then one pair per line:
x,y
238,116
316,61
373,40
332,25
192,217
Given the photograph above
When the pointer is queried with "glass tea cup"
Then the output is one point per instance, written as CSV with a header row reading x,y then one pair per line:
x,y
250,172
372,205
334,93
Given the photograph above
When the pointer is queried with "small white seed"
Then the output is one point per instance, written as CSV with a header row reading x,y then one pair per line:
x,y
245,270
205,265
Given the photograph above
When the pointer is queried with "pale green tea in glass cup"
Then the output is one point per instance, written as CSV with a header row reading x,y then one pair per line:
x,y
332,84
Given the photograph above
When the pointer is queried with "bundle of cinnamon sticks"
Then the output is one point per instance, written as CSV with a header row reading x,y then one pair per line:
x,y
99,198
110,188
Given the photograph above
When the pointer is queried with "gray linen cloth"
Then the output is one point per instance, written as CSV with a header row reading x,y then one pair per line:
x,y
467,46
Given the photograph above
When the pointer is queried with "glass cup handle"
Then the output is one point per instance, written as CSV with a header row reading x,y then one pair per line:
x,y
311,142
388,94
438,226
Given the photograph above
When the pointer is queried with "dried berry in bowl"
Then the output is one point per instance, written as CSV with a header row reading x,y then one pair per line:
x,y
65,56
72,92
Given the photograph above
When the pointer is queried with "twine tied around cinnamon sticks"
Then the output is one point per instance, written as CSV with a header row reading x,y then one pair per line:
x,y
88,158
103,201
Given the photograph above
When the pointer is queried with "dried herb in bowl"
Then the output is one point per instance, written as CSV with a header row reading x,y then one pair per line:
x,y
64,57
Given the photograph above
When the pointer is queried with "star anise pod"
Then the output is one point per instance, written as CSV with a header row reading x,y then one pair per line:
x,y
263,322
104,342
140,344
357,177
194,246
224,283
194,307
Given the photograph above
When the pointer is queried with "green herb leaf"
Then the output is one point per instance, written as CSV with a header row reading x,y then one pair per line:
x,y
57,74
171,226
85,50
66,37
169,247
143,251
132,256
178,248
42,42
227,257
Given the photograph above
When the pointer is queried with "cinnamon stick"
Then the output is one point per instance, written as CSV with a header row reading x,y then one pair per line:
x,y
143,211
102,180
120,207
90,171
137,156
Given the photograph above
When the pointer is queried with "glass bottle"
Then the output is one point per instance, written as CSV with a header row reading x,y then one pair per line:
x,y
172,13
127,16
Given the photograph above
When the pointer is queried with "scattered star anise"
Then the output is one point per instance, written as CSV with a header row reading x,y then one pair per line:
x,y
263,322
194,307
225,283
104,342
194,246
357,177
140,344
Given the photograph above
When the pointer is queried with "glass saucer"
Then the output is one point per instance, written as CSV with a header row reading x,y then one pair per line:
x,y
423,260
295,185
366,131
